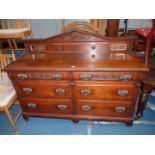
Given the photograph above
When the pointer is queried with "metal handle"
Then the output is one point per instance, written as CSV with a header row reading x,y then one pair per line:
x,y
85,76
93,47
60,91
22,76
122,92
125,77
27,90
86,107
62,106
120,109
86,92
31,105
57,76
60,48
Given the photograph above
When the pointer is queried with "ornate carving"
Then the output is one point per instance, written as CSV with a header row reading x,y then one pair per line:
x,y
106,76
76,36
43,76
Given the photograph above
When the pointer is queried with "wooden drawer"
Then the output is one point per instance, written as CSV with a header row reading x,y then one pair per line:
x,y
105,90
80,47
35,48
61,106
118,76
40,75
104,108
44,89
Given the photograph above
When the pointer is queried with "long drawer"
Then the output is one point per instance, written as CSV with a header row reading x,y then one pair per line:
x,y
105,90
59,106
104,108
44,89
38,75
118,76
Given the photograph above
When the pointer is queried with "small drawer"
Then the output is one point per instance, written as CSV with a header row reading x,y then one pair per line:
x,y
44,89
35,48
105,90
61,106
41,75
121,76
104,108
80,47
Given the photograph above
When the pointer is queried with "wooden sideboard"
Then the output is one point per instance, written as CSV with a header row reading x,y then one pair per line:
x,y
78,75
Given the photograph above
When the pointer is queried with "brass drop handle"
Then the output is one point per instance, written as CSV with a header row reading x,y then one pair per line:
x,y
86,92
22,76
27,90
86,107
60,91
60,48
93,47
62,106
125,77
31,105
85,76
120,109
122,92
57,76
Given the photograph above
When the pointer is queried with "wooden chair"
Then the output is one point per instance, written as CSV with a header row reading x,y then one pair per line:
x,y
7,92
148,82
13,29
143,34
96,26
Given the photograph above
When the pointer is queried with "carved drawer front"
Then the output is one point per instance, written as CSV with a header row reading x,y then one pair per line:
x,y
105,90
43,89
121,76
77,47
61,106
41,75
104,108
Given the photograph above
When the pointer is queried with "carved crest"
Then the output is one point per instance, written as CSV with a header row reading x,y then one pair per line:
x,y
74,36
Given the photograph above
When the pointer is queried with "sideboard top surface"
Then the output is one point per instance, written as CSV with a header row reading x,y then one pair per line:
x,y
78,62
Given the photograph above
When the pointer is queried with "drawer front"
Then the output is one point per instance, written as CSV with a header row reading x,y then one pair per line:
x,y
61,106
105,90
41,75
35,48
121,76
44,89
104,108
80,47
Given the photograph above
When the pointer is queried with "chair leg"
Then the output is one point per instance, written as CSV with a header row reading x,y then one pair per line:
x,y
10,119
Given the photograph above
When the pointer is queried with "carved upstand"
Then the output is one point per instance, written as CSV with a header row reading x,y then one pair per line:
x,y
78,75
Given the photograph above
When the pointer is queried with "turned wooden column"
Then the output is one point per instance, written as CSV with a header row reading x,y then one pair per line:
x,y
148,85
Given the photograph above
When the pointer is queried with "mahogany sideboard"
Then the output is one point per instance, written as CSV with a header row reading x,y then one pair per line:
x,y
78,75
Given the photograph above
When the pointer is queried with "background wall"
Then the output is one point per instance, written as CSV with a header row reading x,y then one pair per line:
x,y
43,28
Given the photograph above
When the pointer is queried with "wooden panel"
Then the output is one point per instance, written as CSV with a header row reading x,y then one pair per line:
x,y
112,27
44,89
104,108
58,106
105,90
